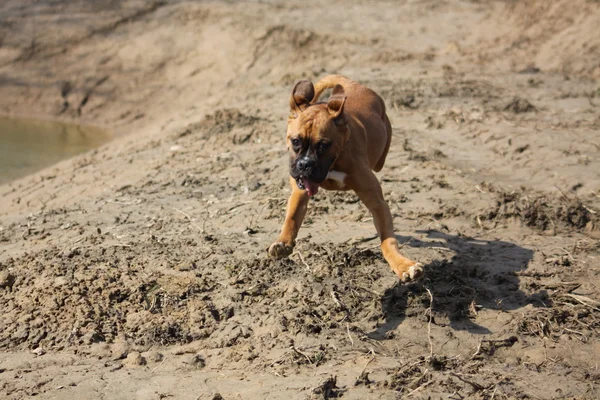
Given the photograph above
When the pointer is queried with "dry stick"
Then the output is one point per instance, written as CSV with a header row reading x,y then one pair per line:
x,y
442,248
478,350
479,222
568,254
69,244
158,366
368,362
589,209
237,278
295,350
420,387
189,219
429,323
280,358
475,385
350,337
586,301
303,262
577,332
337,301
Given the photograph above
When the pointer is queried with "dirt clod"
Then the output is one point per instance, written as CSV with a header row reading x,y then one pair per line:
x,y
519,105
325,390
135,359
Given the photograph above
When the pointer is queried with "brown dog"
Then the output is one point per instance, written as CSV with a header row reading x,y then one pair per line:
x,y
337,145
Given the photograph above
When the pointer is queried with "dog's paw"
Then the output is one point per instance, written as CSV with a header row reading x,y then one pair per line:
x,y
413,273
279,250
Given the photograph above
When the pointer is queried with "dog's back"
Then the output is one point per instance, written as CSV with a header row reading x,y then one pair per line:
x,y
367,106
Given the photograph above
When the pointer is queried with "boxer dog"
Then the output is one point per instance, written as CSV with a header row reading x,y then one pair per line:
x,y
336,146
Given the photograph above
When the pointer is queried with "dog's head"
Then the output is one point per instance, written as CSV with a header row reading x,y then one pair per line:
x,y
316,134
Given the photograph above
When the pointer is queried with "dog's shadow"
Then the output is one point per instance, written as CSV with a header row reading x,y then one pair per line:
x,y
479,274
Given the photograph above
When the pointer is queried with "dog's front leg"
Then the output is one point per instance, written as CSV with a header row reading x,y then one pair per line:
x,y
370,193
296,210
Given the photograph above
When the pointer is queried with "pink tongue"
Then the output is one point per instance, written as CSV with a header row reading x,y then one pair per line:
x,y
311,187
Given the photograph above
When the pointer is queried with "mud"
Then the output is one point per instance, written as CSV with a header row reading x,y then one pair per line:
x,y
139,270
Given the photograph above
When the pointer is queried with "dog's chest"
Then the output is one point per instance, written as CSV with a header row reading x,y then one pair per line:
x,y
335,180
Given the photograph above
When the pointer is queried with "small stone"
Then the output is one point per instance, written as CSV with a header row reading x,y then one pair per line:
x,y
135,359
39,351
7,280
153,356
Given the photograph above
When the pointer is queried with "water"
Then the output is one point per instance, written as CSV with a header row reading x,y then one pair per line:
x,y
28,145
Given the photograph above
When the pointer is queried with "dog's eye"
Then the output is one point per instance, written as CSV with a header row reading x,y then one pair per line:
x,y
295,143
323,146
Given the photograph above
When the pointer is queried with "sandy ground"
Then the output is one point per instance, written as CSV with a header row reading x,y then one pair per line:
x,y
139,270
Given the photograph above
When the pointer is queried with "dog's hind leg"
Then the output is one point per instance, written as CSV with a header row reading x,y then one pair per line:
x,y
388,127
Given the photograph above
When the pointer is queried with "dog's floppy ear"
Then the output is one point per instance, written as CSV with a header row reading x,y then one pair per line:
x,y
302,94
336,102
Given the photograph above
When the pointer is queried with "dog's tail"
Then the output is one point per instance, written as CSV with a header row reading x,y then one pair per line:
x,y
329,82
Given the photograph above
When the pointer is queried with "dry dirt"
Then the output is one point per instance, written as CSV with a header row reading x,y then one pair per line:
x,y
139,270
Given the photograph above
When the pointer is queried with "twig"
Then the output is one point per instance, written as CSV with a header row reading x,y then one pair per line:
x,y
303,262
337,301
189,219
494,394
350,337
442,248
368,362
280,358
479,222
295,350
475,385
124,203
477,351
578,333
589,209
159,365
423,386
429,323
568,254
354,241
586,301
237,278
243,203
407,242
117,245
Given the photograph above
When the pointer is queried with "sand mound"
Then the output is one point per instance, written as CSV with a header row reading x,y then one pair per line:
x,y
557,35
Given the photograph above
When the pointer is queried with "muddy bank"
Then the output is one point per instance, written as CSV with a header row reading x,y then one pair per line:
x,y
140,268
